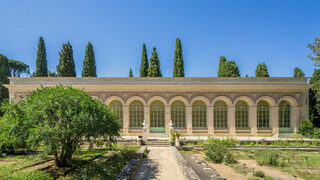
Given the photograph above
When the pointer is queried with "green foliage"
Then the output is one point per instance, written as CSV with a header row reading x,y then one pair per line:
x,y
89,63
52,74
41,61
58,118
315,48
298,72
178,64
4,74
154,69
262,71
130,73
229,158
306,128
216,150
259,174
230,69
221,62
66,67
17,68
269,157
314,102
144,62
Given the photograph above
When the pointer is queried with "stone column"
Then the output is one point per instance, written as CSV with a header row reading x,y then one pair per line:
x,y
274,123
189,119
167,118
210,119
253,119
147,117
125,119
232,119
294,119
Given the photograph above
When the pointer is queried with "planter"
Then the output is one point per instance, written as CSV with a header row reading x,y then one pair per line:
x,y
171,143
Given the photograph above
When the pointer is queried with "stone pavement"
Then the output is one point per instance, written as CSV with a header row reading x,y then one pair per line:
x,y
160,164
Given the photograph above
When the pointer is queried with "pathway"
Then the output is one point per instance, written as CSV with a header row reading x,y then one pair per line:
x,y
160,164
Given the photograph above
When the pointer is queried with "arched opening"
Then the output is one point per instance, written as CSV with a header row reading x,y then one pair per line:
x,y
178,114
220,112
242,115
157,117
136,114
199,114
117,108
263,115
284,117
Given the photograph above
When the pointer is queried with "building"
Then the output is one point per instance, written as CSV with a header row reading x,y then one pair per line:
x,y
196,106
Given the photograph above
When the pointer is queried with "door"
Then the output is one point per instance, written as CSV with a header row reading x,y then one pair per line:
x,y
157,117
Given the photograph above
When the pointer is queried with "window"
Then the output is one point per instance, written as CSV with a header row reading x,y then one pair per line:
x,y
199,114
157,114
284,114
242,114
117,108
263,114
136,114
220,112
178,114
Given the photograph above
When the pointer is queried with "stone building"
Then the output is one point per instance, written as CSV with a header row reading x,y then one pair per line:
x,y
196,106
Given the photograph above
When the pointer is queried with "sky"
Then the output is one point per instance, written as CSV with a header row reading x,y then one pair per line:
x,y
249,32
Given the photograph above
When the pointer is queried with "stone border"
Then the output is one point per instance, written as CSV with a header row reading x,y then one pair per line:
x,y
129,170
184,166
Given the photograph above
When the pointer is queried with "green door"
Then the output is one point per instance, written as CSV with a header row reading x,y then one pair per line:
x,y
157,117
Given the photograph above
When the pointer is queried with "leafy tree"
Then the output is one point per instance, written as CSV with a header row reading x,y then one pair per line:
x,y
58,118
66,67
178,69
315,48
130,73
17,68
314,105
154,69
298,72
230,69
262,71
4,74
247,75
220,70
89,64
144,62
41,61
52,74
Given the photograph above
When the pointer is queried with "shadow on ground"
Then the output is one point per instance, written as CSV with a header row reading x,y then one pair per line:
x,y
148,169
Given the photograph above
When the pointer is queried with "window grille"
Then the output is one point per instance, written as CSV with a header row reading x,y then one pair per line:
x,y
157,114
136,114
263,114
220,112
117,108
199,114
284,114
178,114
242,114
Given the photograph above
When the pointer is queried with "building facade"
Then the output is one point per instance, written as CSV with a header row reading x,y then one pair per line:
x,y
196,106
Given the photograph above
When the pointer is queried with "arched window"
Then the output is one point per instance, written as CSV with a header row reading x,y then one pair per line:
x,y
178,114
220,111
242,114
136,114
263,114
157,118
284,114
117,108
199,114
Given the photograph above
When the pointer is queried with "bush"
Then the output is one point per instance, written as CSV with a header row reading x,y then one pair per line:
x,y
229,158
259,174
267,157
216,150
306,128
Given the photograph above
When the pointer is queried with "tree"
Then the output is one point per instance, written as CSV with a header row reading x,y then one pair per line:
x,y
262,71
314,105
89,64
17,68
178,64
154,69
130,73
315,48
66,67
4,74
41,61
220,70
144,62
52,74
59,119
298,72
230,69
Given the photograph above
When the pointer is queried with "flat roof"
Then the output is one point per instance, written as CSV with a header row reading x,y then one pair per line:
x,y
158,81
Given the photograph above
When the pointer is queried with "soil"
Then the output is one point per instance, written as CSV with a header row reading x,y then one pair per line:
x,y
7,162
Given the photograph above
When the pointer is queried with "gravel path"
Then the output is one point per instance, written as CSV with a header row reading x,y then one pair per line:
x,y
159,165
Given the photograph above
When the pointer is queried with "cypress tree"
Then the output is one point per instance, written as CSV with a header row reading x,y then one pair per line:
x,y
89,63
178,69
41,61
154,69
230,69
220,70
144,62
4,74
298,72
130,73
262,71
66,67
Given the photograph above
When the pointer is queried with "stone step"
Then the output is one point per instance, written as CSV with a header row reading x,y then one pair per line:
x,y
158,145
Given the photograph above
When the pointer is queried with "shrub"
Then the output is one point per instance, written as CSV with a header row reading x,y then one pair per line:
x,y
215,152
259,174
267,157
100,143
306,128
229,158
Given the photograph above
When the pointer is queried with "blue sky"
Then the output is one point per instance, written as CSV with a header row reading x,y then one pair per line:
x,y
248,31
